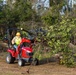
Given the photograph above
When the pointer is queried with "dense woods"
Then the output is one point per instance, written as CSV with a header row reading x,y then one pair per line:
x,y
56,34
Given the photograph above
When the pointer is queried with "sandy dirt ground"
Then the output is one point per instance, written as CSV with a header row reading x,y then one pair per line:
x,y
51,68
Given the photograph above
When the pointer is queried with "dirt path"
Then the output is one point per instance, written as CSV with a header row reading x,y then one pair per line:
x,y
44,69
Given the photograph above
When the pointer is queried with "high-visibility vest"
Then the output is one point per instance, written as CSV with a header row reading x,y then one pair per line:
x,y
17,40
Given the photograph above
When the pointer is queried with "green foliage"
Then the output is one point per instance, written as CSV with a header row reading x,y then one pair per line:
x,y
1,14
13,14
38,52
56,2
24,10
60,31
